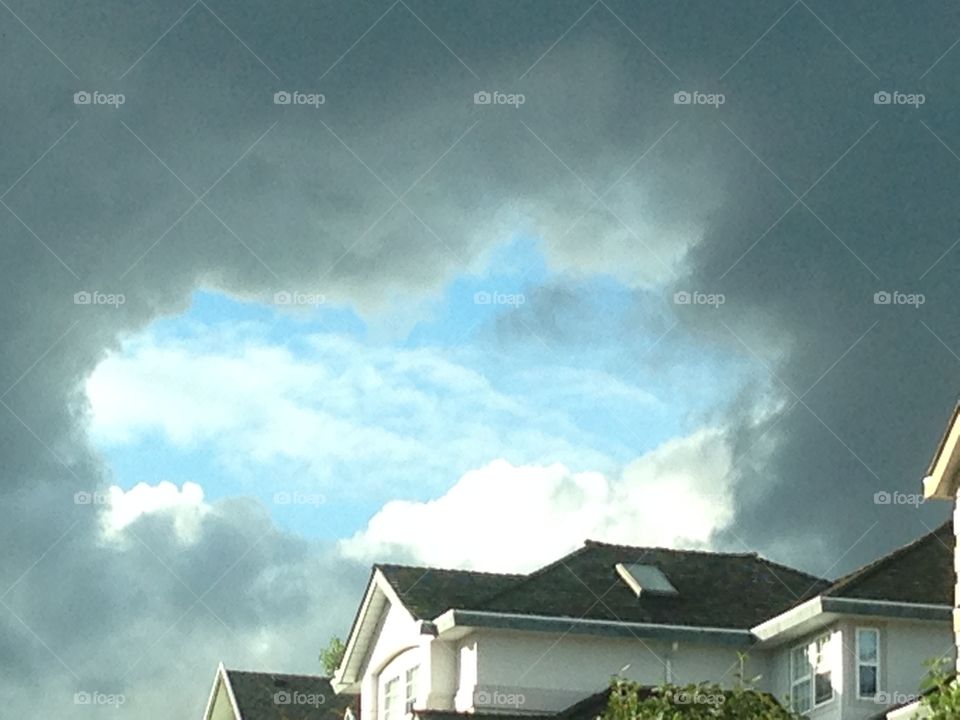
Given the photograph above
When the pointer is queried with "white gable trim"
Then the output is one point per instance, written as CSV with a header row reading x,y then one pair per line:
x,y
944,472
378,598
221,678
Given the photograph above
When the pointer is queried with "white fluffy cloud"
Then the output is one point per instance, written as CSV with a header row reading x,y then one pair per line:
x,y
505,517
185,505
342,408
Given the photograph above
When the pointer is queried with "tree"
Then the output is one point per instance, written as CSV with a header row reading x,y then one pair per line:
x,y
942,699
702,701
331,656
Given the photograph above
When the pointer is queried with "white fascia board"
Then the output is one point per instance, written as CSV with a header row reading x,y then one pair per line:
x,y
347,676
822,609
943,474
452,620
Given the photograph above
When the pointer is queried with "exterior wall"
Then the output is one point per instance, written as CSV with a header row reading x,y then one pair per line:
x,y
536,672
398,633
904,648
222,710
956,587
780,674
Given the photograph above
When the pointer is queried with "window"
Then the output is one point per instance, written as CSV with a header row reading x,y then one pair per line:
x,y
868,662
800,680
410,693
811,674
645,579
823,671
391,699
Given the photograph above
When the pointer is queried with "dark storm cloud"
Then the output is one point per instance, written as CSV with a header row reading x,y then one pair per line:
x,y
396,182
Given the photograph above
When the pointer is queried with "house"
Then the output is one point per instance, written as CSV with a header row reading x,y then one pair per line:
x,y
942,482
442,644
241,695
429,640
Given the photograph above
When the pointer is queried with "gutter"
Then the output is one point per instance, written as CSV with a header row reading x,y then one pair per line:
x,y
615,628
823,608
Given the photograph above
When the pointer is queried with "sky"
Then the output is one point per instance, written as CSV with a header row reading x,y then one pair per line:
x,y
293,288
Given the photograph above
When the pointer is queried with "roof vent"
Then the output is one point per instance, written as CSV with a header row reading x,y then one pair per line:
x,y
646,580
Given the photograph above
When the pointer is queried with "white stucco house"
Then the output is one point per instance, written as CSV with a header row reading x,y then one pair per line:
x,y
442,644
448,641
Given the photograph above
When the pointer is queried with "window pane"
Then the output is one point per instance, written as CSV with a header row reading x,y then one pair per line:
x,y
390,691
800,696
867,645
824,688
868,681
800,666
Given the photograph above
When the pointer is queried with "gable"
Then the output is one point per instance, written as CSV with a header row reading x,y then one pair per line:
x,y
920,572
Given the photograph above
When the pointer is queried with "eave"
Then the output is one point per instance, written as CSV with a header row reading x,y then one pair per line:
x,y
943,475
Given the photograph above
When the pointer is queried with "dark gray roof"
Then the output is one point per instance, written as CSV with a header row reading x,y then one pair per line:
x,y
921,572
261,696
723,590
428,592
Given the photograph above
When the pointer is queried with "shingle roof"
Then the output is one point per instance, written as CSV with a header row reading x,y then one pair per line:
x,y
715,589
272,696
921,572
720,590
427,592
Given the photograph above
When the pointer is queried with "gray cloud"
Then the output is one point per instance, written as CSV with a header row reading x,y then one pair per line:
x,y
292,207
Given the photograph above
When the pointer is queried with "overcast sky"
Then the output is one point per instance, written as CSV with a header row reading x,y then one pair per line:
x,y
293,287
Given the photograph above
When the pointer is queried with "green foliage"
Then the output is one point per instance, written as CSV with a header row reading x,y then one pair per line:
x,y
943,698
702,701
331,656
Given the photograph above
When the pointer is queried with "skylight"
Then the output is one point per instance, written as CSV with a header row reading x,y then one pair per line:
x,y
646,579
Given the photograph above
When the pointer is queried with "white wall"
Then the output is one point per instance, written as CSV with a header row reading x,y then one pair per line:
x,y
550,671
904,647
399,633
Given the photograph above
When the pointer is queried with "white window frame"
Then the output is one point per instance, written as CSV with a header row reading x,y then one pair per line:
x,y
875,664
828,639
806,678
410,676
390,713
810,675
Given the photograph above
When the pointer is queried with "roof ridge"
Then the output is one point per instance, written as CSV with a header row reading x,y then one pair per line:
x,y
871,567
531,576
774,563
601,543
445,569
278,674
